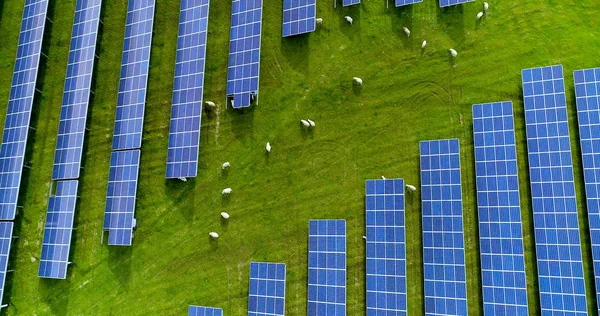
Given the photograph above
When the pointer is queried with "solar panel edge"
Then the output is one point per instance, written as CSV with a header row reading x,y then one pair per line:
x,y
4,273
258,264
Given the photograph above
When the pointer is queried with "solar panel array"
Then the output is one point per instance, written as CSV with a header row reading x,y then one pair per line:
x,y
447,3
386,248
22,91
498,203
443,236
58,231
350,2
186,110
120,198
76,95
267,289
587,93
558,247
299,17
244,52
400,3
327,267
135,63
204,311
6,230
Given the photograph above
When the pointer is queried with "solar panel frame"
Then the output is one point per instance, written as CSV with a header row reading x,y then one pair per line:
x,y
587,96
299,17
58,231
443,236
266,295
346,3
6,231
447,3
194,310
504,280
188,86
121,196
327,267
386,284
554,205
400,3
133,83
77,89
243,72
20,103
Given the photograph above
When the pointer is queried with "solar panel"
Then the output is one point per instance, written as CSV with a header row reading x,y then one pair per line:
x,y
587,93
244,52
58,231
299,17
498,203
186,111
120,198
135,63
400,3
18,114
267,289
443,236
6,230
386,248
346,3
327,267
558,247
204,311
447,3
76,95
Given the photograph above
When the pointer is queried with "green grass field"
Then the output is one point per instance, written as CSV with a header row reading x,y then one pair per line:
x,y
407,96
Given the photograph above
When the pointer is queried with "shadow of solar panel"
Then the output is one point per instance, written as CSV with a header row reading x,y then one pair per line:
x,y
299,17
447,3
58,231
244,52
6,230
186,110
443,237
327,267
135,63
386,248
18,114
76,95
498,203
587,94
204,311
267,289
554,206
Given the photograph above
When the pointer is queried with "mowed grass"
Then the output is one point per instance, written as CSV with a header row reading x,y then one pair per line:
x,y
408,95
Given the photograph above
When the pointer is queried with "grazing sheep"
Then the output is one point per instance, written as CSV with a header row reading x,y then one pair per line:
x,y
486,6
348,19
224,215
411,188
312,124
210,104
226,191
424,44
268,147
182,179
479,15
305,123
357,80
406,31
453,53
319,20
225,165
382,177
213,235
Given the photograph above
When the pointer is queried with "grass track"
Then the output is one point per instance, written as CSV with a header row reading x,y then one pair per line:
x,y
407,96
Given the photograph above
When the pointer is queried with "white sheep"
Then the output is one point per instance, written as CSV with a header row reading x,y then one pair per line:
x,y
312,124
424,44
411,188
357,80
406,31
268,147
479,15
485,6
183,179
383,177
225,165
224,215
226,191
348,19
210,104
453,53
213,235
319,20
305,123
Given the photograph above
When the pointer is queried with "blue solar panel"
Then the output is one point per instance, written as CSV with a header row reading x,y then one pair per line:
x,y
443,236
135,63
267,289
447,3
400,3
186,111
346,3
500,226
6,230
587,93
76,95
299,16
244,52
386,248
558,247
120,198
327,267
58,231
204,311
16,126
